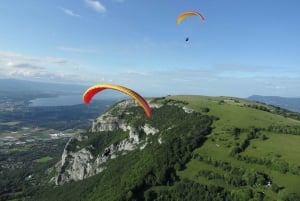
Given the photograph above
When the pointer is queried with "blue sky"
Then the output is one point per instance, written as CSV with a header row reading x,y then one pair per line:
x,y
243,47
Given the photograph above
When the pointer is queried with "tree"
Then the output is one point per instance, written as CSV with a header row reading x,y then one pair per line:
x,y
264,137
236,131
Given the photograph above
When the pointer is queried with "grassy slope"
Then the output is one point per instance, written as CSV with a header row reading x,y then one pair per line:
x,y
232,114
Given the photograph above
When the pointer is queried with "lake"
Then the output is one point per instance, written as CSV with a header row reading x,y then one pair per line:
x,y
64,100
57,101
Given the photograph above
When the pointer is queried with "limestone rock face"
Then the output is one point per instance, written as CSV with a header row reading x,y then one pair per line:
x,y
75,166
149,129
81,164
110,122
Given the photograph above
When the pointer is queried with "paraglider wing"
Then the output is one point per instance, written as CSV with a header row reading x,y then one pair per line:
x,y
92,91
186,14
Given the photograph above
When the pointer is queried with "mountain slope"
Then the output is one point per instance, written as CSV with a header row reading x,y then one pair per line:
x,y
200,148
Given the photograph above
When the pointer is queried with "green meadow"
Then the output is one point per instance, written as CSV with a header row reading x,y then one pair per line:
x,y
236,113
233,112
285,147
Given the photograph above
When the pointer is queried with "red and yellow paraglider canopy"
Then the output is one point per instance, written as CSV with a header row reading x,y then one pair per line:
x,y
93,90
186,14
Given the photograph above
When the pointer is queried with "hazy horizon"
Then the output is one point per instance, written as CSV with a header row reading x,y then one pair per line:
x,y
79,89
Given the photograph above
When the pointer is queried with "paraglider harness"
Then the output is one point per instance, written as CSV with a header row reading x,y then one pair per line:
x,y
106,152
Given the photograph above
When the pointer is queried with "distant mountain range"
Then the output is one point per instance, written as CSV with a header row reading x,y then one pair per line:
x,y
25,85
292,104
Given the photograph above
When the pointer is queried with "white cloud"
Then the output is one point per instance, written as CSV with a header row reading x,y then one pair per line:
x,y
44,75
70,12
12,57
96,5
23,65
15,65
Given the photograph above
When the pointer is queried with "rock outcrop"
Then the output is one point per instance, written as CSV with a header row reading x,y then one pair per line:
x,y
81,163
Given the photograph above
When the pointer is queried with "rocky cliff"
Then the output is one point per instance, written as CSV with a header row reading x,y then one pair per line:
x,y
79,162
